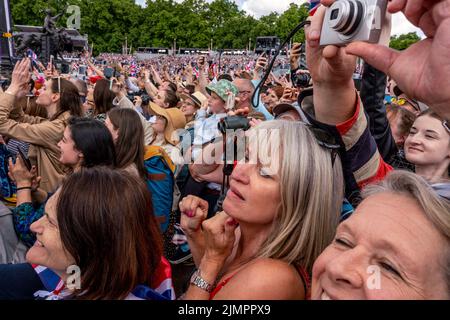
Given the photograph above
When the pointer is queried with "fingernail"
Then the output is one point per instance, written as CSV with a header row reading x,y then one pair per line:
x,y
232,222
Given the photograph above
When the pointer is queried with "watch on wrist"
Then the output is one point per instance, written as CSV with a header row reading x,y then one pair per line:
x,y
201,283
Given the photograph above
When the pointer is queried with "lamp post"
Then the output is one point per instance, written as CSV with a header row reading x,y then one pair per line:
x,y
174,46
249,44
211,44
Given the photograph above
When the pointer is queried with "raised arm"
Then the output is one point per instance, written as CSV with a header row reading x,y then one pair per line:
x,y
372,96
423,70
331,69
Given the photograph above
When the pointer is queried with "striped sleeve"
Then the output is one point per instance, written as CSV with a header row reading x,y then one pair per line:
x,y
366,162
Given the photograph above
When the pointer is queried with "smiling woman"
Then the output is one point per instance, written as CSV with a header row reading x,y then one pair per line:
x,y
377,254
75,228
428,147
48,249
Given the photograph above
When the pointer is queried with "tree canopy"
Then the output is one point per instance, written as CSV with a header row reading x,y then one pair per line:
x,y
403,41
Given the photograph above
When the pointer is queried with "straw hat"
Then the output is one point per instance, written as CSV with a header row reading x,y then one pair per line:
x,y
197,97
175,120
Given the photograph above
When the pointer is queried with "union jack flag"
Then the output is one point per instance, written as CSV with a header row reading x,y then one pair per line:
x,y
161,287
313,6
32,55
75,66
196,72
134,69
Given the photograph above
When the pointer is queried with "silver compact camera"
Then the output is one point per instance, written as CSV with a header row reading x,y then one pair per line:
x,y
353,20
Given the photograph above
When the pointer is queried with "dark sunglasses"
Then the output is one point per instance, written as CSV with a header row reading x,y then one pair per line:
x,y
326,140
59,83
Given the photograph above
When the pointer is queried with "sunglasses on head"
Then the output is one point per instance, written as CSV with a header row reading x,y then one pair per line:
x,y
325,140
59,83
446,125
402,101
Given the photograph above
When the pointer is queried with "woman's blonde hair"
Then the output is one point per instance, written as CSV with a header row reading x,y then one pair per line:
x,y
311,190
435,207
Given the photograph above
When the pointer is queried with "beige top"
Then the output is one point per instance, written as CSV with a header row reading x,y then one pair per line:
x,y
43,136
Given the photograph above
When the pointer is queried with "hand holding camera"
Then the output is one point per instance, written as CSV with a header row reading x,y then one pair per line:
x,y
19,172
347,21
331,69
431,54
261,64
330,65
289,95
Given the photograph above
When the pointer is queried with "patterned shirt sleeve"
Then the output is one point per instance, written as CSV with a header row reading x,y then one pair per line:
x,y
361,152
366,162
23,216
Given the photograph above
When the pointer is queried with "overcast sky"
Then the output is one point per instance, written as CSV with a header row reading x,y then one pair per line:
x,y
258,8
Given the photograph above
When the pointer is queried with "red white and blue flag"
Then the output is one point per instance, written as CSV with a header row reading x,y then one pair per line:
x,y
160,289
313,6
134,69
32,55
196,72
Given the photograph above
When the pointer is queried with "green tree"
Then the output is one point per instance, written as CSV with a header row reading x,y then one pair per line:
x,y
290,19
403,41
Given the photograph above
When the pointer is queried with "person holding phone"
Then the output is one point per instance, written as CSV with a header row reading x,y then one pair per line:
x,y
61,99
85,143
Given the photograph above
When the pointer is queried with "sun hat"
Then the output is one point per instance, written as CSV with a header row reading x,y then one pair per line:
x,y
175,120
197,97
222,89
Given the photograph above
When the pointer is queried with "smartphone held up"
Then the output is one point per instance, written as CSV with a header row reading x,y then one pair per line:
x,y
24,158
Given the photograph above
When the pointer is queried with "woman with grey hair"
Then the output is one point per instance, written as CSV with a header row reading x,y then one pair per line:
x,y
279,214
395,246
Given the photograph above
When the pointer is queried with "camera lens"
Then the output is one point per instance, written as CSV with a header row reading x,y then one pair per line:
x,y
346,16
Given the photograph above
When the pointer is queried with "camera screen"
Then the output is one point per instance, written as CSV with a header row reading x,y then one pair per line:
x,y
334,14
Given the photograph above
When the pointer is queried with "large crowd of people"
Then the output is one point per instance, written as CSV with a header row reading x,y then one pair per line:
x,y
185,177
